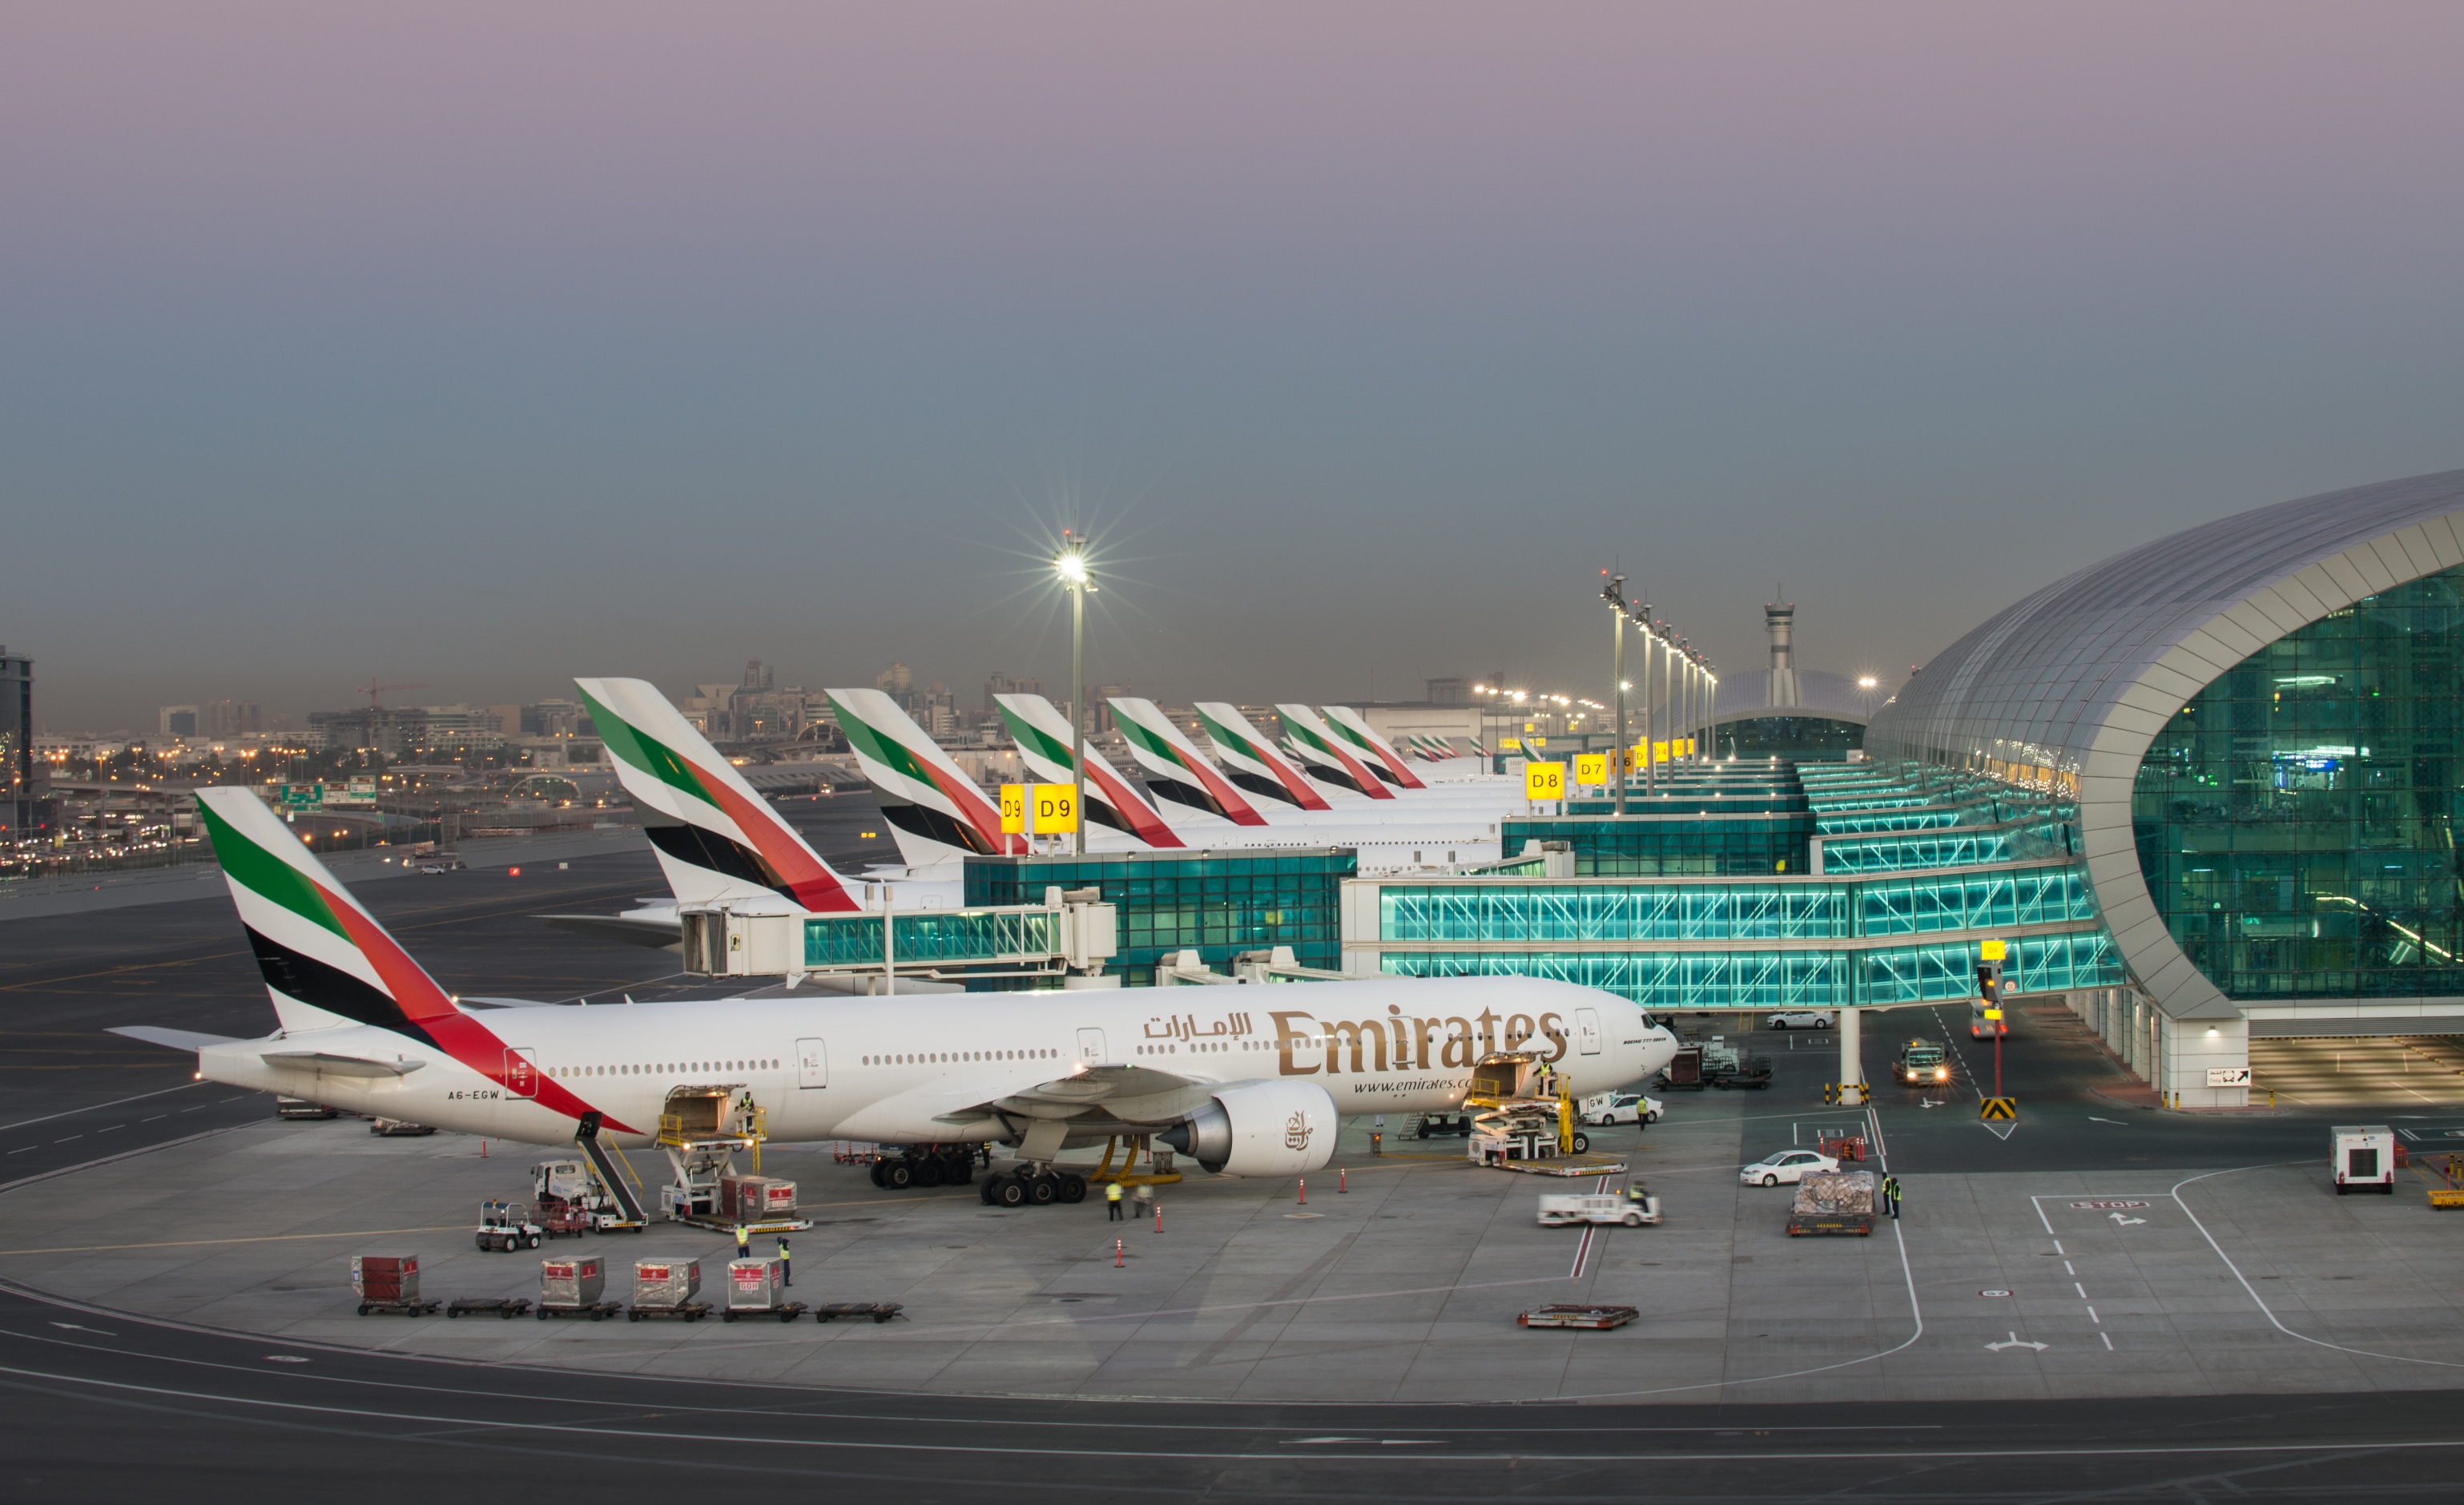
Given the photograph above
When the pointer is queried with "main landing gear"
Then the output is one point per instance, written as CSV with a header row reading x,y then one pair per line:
x,y
1034,1185
926,1165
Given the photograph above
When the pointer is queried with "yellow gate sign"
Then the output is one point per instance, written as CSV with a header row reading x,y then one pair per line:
x,y
1544,781
1013,804
1056,809
1591,768
1998,1108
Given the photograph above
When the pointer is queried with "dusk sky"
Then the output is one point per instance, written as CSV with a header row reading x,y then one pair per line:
x,y
485,345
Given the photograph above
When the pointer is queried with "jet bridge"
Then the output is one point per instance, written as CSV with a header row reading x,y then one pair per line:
x,y
1072,931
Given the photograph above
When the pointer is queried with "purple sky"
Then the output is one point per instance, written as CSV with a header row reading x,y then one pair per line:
x,y
485,345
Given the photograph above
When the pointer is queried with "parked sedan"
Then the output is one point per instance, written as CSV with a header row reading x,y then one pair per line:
x,y
1785,1169
1800,1019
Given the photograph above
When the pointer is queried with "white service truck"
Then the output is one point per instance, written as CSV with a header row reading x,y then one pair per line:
x,y
2363,1156
1634,1208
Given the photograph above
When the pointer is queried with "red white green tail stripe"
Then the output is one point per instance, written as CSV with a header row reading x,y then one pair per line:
x,y
717,837
1252,760
1176,770
1380,754
1041,734
929,801
1320,748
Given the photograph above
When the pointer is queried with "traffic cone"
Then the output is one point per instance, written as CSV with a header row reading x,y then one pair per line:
x,y
1158,1207
1343,1178
1116,1254
1304,1190
483,1150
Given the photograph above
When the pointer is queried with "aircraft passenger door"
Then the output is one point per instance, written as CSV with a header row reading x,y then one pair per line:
x,y
812,1065
1587,1030
1090,1046
522,1071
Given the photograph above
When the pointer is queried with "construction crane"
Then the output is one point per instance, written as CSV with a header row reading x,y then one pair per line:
x,y
372,689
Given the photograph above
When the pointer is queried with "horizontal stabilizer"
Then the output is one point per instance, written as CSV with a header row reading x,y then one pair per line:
x,y
333,1065
174,1040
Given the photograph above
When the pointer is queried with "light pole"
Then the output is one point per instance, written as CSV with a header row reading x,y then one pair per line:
x,y
1616,596
1070,566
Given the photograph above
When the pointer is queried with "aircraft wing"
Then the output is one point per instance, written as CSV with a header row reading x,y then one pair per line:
x,y
1094,1085
174,1040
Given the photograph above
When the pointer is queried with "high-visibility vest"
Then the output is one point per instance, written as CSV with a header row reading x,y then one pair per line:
x,y
1112,1192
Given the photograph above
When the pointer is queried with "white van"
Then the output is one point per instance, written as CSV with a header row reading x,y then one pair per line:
x,y
1604,1108
2363,1155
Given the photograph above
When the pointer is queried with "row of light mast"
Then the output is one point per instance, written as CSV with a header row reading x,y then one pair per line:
x,y
1683,677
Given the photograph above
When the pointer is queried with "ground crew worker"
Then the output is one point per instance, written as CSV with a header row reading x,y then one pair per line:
x,y
1112,1200
744,1242
1891,1196
786,1270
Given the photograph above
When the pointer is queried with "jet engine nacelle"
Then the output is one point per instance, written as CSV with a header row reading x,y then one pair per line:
x,y
1259,1128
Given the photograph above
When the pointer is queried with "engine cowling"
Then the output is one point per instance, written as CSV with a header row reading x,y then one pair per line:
x,y
1259,1128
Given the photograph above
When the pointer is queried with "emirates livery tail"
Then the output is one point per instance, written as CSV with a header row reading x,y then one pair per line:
x,y
1251,759
1174,767
716,838
1043,737
937,809
1373,749
1323,750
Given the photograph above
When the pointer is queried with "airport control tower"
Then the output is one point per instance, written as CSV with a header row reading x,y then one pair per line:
x,y
1779,619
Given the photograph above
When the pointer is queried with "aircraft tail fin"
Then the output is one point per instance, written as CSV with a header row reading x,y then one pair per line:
x,y
717,839
1252,760
938,811
1380,755
325,960
1041,734
1175,769
1323,750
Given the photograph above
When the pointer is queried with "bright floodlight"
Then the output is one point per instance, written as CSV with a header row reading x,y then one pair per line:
x,y
1070,566
1868,681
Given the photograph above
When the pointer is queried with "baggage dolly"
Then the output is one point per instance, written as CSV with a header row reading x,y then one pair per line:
x,y
399,1308
473,1305
690,1310
596,1311
860,1311
787,1313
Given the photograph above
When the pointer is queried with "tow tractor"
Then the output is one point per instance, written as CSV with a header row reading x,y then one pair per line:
x,y
505,1227
1922,1063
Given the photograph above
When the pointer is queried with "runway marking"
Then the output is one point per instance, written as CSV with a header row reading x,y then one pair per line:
x,y
92,1107
636,1433
2267,1311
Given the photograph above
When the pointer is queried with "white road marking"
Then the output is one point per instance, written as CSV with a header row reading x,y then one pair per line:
x,y
92,1107
2108,1341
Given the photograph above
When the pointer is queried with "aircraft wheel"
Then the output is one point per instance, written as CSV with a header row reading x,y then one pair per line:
x,y
1073,1188
958,1171
897,1175
927,1172
877,1174
1042,1191
990,1190
1010,1191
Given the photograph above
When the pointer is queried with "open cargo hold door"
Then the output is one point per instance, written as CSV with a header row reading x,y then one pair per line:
x,y
1502,1075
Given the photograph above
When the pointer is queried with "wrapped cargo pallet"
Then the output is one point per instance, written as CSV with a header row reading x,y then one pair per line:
x,y
1833,1201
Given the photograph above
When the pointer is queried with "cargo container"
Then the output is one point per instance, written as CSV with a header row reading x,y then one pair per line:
x,y
666,1283
385,1278
578,1282
754,1199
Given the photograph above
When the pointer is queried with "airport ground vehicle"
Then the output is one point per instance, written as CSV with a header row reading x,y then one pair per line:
x,y
1557,1209
400,1128
303,1108
505,1227
1750,1071
1920,1063
2363,1155
1981,1028
1799,1020
1605,1109
1785,1169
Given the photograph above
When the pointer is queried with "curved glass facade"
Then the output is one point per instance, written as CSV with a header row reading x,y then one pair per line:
x,y
2296,821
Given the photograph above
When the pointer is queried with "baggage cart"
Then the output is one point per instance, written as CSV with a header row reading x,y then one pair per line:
x,y
756,1288
479,1306
1683,1072
575,1286
1842,1148
1753,1072
859,1311
399,1308
505,1227
1599,1319
559,1219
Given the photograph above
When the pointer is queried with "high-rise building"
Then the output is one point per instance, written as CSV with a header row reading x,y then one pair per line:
x,y
898,682
234,718
177,721
1007,683
758,677
18,807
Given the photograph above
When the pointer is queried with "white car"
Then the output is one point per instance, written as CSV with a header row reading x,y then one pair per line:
x,y
1800,1019
1785,1169
1604,1108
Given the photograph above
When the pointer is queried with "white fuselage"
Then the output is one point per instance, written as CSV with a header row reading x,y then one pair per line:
x,y
926,1070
